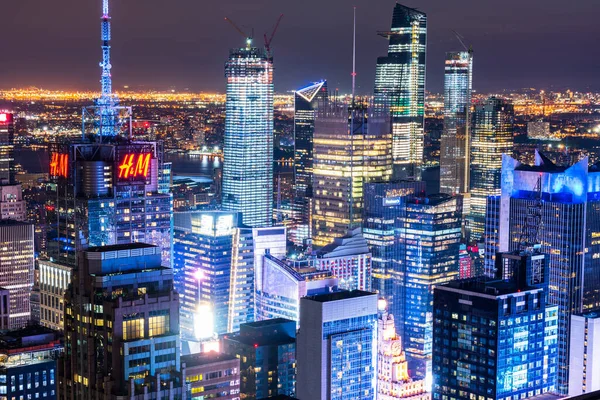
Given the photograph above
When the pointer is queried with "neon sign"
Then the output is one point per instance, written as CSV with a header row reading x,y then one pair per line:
x,y
135,165
59,165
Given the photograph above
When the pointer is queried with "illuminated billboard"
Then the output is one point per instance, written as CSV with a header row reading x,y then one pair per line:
x,y
134,164
213,224
59,165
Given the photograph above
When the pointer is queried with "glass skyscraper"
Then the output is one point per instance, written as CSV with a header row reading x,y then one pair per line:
x,y
337,346
492,137
429,244
455,140
351,147
306,101
7,140
248,151
400,88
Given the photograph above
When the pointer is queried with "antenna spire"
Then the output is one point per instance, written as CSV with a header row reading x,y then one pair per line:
x,y
106,103
354,57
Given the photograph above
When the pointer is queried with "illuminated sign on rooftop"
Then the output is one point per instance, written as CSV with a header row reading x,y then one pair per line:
x,y
59,165
134,166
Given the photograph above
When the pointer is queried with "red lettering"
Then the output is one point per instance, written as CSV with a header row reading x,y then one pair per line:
x,y
135,166
59,165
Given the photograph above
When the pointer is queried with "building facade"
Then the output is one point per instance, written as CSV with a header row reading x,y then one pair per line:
x,y
306,101
17,267
456,137
7,141
211,375
400,88
338,327
54,279
492,137
248,151
12,204
267,353
351,146
121,326
584,356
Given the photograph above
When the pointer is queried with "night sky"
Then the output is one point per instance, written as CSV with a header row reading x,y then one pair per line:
x,y
160,44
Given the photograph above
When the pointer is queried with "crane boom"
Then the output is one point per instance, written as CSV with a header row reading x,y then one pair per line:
x,y
237,28
270,39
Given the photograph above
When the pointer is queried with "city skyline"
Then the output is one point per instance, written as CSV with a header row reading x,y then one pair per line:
x,y
192,40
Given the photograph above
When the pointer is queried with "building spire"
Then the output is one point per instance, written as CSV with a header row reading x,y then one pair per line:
x,y
106,102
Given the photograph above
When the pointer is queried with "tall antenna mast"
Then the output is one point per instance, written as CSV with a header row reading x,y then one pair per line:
x,y
354,57
107,102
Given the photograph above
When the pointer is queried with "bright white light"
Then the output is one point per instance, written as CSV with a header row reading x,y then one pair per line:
x,y
204,322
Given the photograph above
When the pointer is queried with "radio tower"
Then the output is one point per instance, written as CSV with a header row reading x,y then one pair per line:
x,y
107,102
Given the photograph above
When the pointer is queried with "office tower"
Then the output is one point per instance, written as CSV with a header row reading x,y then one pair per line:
x,y
121,326
494,339
348,258
284,283
492,137
306,101
203,260
210,375
584,358
16,269
384,206
7,140
491,236
106,193
351,146
456,140
337,346
400,88
241,292
12,205
28,367
267,350
566,202
393,381
248,151
429,242
54,279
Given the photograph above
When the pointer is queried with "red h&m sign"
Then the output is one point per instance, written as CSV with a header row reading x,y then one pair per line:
x,y
135,165
59,165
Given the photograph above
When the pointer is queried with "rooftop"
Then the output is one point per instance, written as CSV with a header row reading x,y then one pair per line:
x,y
339,295
193,360
117,247
490,288
29,336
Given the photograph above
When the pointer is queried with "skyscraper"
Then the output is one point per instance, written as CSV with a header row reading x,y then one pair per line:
x,y
306,101
584,360
7,140
337,346
495,339
456,139
16,269
400,88
121,326
567,200
492,137
351,147
429,244
385,205
248,151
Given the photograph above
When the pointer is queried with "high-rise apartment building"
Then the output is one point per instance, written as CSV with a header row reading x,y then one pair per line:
x,y
107,193
7,140
306,102
337,346
393,380
456,137
12,205
584,357
121,326
495,339
267,353
492,137
211,375
16,269
248,151
566,200
385,205
284,282
241,292
400,88
429,245
54,279
351,148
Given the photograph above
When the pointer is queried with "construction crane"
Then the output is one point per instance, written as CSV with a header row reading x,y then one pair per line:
x,y
241,32
460,39
270,39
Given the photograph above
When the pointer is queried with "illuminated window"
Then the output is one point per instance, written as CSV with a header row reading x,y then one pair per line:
x,y
133,329
158,323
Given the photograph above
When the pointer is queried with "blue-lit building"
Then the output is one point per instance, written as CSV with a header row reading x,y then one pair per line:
x,y
306,101
455,141
267,353
567,199
337,346
121,326
28,363
429,244
496,339
107,193
385,204
248,151
400,88
203,258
